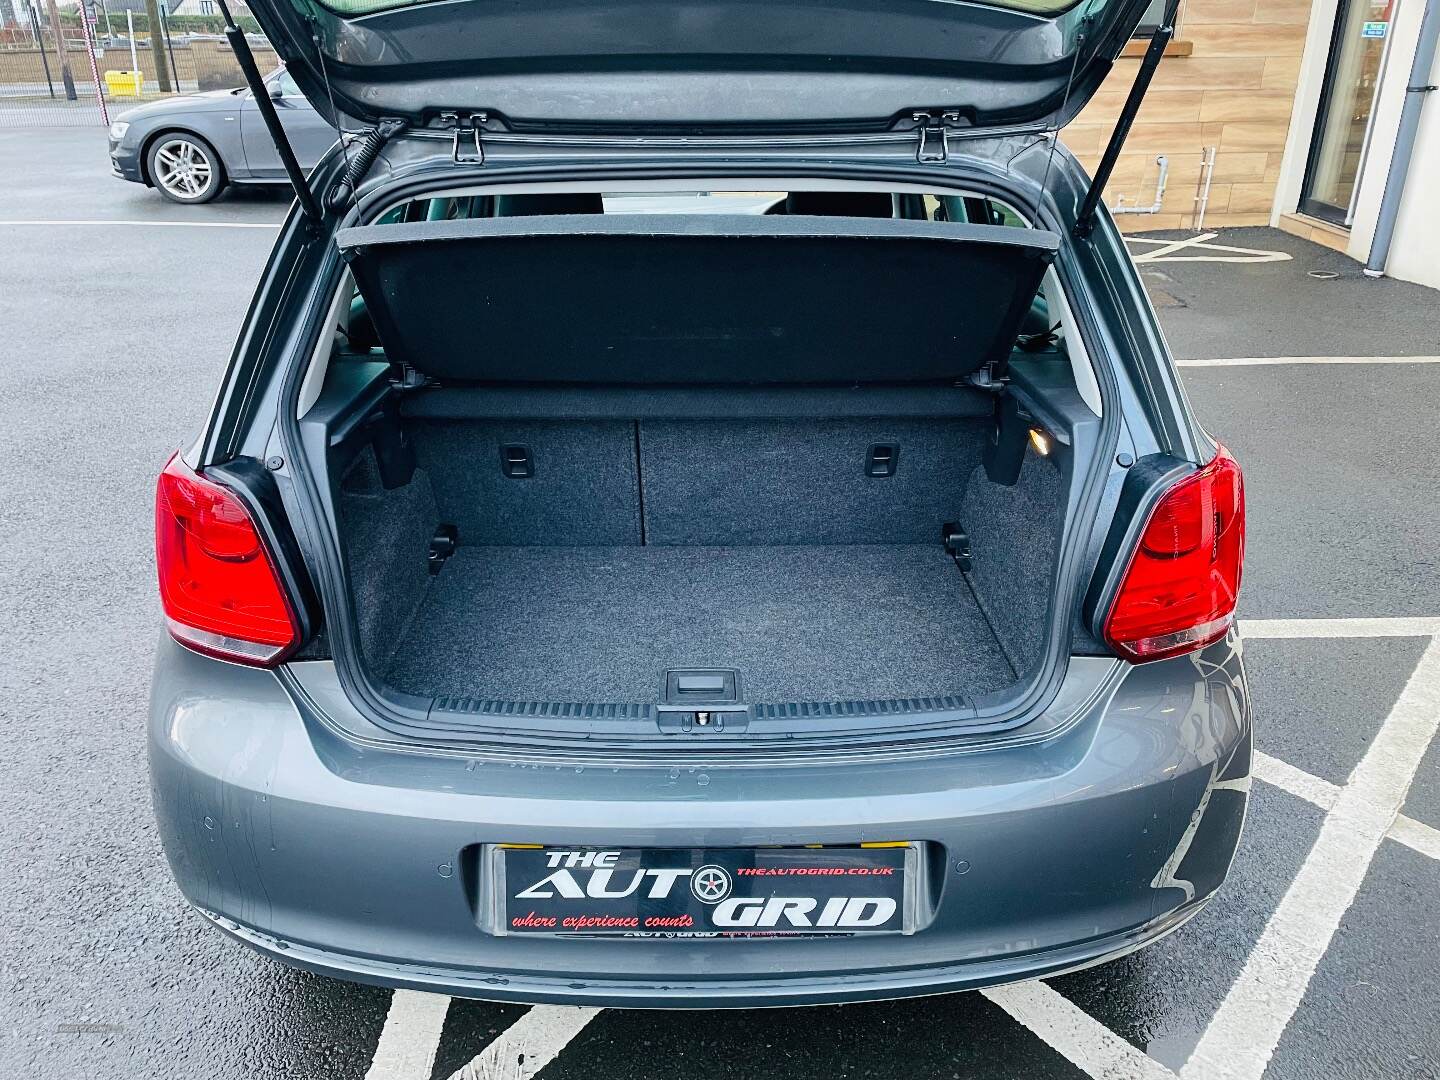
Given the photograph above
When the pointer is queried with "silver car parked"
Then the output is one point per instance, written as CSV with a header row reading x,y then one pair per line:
x,y
189,148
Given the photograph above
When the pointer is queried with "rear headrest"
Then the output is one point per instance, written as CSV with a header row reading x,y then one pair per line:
x,y
865,204
568,202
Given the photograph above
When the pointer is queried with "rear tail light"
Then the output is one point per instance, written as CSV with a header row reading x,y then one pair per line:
x,y
218,583
1179,591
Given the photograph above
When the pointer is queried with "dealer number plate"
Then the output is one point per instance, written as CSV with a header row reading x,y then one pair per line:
x,y
704,892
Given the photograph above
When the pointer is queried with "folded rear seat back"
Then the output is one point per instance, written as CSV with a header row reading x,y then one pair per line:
x,y
803,482
698,482
583,486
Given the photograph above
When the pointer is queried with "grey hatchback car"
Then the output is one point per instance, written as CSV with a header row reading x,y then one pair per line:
x,y
700,513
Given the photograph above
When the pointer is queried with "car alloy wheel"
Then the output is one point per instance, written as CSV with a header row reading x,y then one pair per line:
x,y
185,170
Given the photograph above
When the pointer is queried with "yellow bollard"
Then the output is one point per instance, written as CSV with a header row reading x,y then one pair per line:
x,y
124,83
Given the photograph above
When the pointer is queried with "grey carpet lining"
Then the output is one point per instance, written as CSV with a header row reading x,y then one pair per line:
x,y
762,482
759,545
386,536
1014,537
801,623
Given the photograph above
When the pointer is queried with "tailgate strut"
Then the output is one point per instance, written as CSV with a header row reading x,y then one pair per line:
x,y
241,48
1085,219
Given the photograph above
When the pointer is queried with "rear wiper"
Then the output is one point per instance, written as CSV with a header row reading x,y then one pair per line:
x,y
241,48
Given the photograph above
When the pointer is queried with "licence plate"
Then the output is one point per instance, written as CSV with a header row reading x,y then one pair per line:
x,y
700,892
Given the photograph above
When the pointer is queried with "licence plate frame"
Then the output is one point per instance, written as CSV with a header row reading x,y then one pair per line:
x,y
712,893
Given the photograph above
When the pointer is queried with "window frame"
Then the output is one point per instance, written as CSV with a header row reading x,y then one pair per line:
x,y
1147,27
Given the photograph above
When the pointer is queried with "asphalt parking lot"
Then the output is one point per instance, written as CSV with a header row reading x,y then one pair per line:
x,y
117,313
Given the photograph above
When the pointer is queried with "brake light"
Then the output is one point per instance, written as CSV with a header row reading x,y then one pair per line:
x,y
218,585
1178,593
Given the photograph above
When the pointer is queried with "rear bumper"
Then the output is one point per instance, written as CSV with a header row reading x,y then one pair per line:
x,y
656,991
349,858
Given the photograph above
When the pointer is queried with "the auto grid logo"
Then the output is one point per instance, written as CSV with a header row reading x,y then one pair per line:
x,y
581,875
711,884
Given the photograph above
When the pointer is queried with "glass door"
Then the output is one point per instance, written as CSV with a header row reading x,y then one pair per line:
x,y
1347,99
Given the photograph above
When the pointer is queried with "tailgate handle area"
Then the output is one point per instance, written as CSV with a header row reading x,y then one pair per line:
x,y
700,684
692,686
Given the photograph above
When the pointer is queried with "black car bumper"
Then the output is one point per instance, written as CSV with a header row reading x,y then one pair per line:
x,y
125,162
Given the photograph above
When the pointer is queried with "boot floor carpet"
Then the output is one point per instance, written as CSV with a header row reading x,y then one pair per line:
x,y
603,624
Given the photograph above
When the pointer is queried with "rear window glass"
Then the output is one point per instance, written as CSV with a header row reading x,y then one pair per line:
x,y
864,204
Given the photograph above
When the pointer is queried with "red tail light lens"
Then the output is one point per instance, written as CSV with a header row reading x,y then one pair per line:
x,y
218,584
1179,591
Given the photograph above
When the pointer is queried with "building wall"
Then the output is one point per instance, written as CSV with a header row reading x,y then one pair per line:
x,y
1228,81
1415,251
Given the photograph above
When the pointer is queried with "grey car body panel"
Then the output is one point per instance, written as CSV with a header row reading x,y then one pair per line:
x,y
310,135
299,824
231,123
750,991
358,858
703,62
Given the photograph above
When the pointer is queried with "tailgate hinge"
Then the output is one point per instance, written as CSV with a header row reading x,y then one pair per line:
x,y
466,148
930,130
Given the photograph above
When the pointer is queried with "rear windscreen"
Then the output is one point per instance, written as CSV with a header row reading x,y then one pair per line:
x,y
831,202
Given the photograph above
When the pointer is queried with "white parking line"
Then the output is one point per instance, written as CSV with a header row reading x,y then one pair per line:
x,y
1222,253
1339,628
151,224
1268,361
1073,1033
1417,836
1322,793
406,1050
1295,781
528,1045
1243,1035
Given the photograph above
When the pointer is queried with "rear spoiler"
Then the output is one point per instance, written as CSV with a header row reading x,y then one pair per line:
x,y
1085,219
241,48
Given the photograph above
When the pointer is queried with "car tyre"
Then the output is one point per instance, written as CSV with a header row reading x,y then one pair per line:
x,y
185,168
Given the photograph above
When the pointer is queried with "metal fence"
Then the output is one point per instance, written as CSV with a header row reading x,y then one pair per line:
x,y
59,69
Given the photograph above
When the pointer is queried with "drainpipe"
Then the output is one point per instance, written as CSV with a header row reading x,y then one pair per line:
x,y
1202,197
1415,94
1153,208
